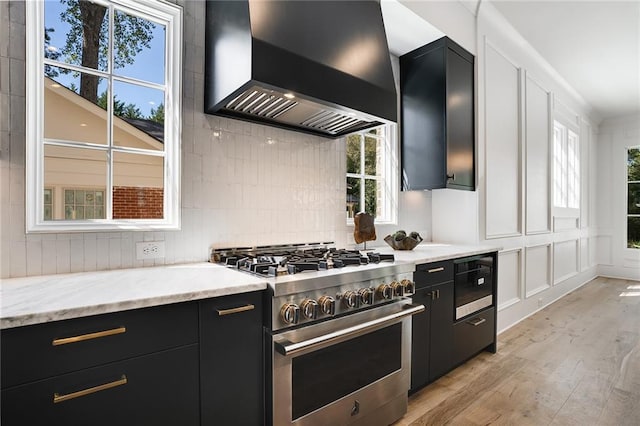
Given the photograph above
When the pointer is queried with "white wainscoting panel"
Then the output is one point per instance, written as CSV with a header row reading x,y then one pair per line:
x,y
565,260
585,261
603,250
565,223
537,269
509,278
502,128
537,136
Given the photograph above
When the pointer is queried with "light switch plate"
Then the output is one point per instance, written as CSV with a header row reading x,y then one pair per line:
x,y
149,250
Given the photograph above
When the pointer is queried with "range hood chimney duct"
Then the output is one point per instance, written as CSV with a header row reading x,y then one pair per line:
x,y
321,67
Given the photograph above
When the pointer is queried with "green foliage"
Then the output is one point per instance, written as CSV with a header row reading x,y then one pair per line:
x,y
633,232
120,109
633,198
87,39
633,164
157,114
354,165
131,34
50,53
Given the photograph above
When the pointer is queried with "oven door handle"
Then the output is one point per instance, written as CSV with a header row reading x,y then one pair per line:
x,y
288,348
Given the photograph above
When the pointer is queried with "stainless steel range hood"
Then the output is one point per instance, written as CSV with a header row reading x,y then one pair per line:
x,y
320,67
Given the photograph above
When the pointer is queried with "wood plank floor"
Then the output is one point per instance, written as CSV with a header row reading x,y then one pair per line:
x,y
576,362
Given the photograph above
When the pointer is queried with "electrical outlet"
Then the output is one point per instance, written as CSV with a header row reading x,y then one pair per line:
x,y
540,302
149,250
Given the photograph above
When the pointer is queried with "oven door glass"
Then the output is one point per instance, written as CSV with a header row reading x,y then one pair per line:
x,y
326,375
473,280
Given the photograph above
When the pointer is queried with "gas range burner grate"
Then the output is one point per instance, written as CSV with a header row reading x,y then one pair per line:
x,y
273,261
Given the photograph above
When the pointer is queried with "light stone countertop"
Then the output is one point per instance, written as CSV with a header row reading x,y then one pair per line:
x,y
44,298
433,252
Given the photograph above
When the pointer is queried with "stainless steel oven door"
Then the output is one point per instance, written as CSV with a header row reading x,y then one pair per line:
x,y
353,370
473,285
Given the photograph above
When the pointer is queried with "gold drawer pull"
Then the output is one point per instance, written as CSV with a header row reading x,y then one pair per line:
x,y
431,271
476,321
239,309
61,398
74,339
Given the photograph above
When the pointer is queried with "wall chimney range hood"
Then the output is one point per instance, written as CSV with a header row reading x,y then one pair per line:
x,y
320,67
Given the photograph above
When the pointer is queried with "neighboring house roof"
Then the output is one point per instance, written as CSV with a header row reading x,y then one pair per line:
x,y
151,131
150,127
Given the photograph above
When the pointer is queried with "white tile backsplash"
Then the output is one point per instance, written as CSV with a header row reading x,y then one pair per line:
x,y
242,183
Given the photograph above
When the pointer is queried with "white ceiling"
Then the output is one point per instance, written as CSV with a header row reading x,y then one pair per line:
x,y
593,45
406,30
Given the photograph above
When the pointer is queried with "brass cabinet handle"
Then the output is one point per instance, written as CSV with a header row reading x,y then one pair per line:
x,y
74,339
431,271
237,310
476,321
61,398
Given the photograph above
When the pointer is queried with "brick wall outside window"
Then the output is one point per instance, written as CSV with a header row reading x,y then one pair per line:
x,y
137,203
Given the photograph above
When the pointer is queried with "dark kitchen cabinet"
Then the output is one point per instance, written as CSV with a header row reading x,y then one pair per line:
x,y
156,389
130,367
432,343
437,117
474,334
231,360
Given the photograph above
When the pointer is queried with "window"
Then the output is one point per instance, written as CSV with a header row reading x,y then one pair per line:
x,y
83,204
372,174
633,198
101,77
47,203
566,168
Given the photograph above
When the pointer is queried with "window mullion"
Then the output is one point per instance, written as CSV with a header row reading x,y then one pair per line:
x,y
110,68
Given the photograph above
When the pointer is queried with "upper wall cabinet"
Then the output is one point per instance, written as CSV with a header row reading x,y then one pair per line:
x,y
438,135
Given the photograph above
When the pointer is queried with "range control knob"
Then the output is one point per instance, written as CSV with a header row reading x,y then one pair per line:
x,y
398,289
409,286
290,313
385,291
309,308
366,296
327,305
351,299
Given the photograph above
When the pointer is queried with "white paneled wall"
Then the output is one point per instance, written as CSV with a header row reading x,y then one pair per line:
x,y
502,144
538,267
509,277
614,138
519,94
565,260
537,181
242,183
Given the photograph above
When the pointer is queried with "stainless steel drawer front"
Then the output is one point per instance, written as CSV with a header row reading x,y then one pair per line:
x,y
475,306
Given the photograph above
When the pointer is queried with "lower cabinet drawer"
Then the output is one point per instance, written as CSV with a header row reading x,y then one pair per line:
x,y
156,389
473,334
40,351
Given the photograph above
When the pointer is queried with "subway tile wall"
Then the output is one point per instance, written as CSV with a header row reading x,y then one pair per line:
x,y
242,183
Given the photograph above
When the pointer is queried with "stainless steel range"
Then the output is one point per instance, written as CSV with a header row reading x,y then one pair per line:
x,y
337,333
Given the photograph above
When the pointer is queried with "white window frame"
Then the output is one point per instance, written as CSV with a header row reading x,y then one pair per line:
x,y
566,169
161,12
389,176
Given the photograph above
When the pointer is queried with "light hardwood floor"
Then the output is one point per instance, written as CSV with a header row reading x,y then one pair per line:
x,y
576,362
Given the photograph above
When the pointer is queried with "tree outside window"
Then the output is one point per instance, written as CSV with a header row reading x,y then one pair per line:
x,y
370,179
633,198
101,74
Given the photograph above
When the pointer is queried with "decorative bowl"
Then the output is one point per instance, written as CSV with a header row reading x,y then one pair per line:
x,y
407,243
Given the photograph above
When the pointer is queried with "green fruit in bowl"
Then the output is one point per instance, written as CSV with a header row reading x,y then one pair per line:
x,y
400,235
415,235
